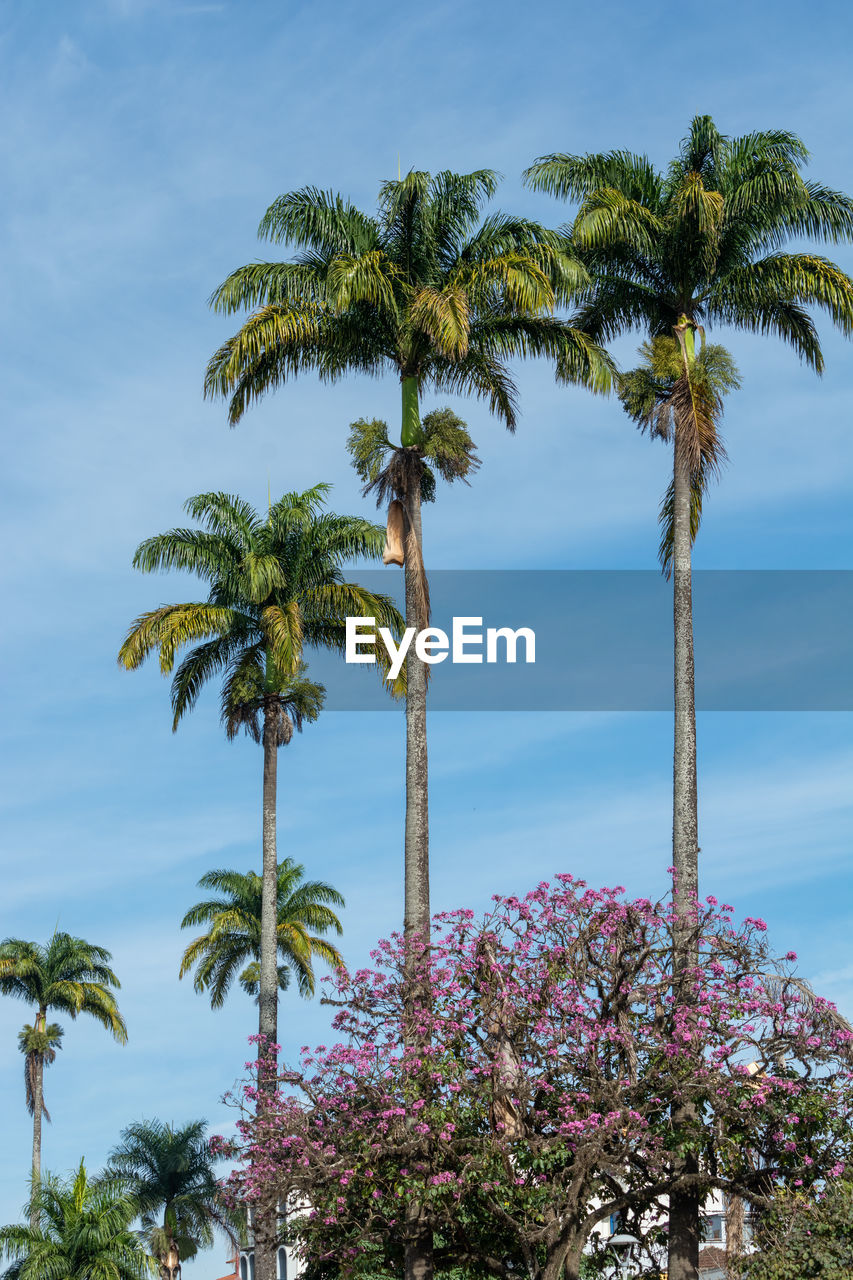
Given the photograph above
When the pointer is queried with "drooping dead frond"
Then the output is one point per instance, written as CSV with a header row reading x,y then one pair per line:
x,y
395,533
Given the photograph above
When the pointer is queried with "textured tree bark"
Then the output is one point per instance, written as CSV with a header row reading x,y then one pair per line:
x,y
38,1106
684,1209
734,1233
265,1228
685,822
416,917
418,1261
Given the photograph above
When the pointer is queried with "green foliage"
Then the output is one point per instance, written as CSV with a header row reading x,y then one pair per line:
x,y
231,947
275,586
447,450
427,289
704,239
69,975
83,1233
38,1043
800,1237
169,1175
667,393
256,692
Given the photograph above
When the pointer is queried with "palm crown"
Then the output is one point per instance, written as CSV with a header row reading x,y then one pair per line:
x,y
169,1175
38,1045
703,241
276,585
663,400
426,289
231,946
82,1230
68,975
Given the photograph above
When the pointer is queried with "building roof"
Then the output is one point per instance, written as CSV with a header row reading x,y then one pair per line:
x,y
712,1259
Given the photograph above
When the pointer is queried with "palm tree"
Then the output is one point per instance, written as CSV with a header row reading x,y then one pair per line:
x,y
276,585
169,1175
68,975
231,948
669,253
78,1229
430,292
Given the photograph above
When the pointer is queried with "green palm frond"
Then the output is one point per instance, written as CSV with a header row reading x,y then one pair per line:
x,y
274,577
83,1233
662,398
305,914
67,974
169,1175
704,239
318,220
571,177
406,292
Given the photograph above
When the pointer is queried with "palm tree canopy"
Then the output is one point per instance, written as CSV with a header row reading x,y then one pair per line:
x,y
169,1175
35,1043
447,451
83,1234
263,698
276,584
68,975
705,240
662,398
427,288
231,946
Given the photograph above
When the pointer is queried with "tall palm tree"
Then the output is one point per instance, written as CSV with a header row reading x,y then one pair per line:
x,y
276,584
68,975
169,1176
79,1228
432,293
669,253
231,947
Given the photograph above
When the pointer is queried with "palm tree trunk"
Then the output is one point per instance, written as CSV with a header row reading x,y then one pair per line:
x,y
265,1224
416,910
418,1261
170,1263
684,1221
38,1107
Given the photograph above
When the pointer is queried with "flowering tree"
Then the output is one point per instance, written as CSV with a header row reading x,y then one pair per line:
x,y
531,1091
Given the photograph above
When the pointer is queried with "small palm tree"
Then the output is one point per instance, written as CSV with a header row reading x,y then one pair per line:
x,y
82,1231
168,1174
68,975
432,293
231,948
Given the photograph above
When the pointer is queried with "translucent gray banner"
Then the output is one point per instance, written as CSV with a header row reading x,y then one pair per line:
x,y
765,641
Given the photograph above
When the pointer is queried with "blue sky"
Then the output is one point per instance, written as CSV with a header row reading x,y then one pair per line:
x,y
142,142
